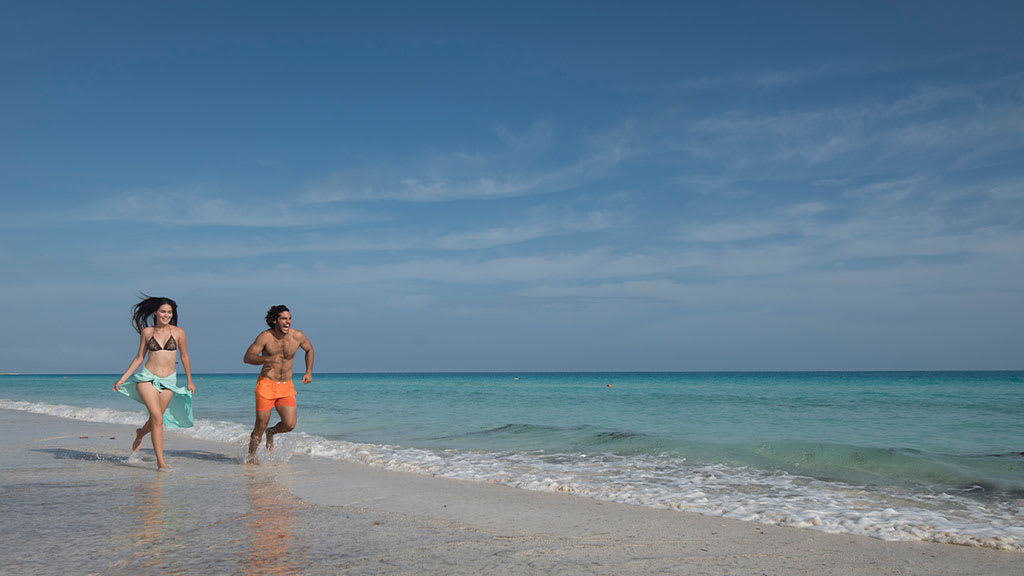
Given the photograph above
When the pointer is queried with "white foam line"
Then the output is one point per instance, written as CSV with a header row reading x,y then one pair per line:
x,y
717,490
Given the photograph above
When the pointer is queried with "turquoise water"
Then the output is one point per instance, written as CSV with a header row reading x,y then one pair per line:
x,y
906,455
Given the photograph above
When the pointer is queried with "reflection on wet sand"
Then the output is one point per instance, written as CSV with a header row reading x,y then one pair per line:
x,y
269,525
157,523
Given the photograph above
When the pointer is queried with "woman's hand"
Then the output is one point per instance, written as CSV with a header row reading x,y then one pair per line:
x,y
118,384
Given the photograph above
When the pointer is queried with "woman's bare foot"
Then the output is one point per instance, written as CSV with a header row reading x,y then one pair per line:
x,y
139,435
164,468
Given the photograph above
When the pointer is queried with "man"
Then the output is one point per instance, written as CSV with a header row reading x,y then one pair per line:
x,y
275,350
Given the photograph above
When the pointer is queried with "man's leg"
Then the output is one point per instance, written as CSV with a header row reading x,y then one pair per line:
x,y
262,418
289,415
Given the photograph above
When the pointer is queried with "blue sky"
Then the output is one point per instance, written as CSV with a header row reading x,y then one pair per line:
x,y
435,186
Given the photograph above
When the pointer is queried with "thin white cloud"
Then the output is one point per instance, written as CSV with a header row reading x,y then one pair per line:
x,y
520,169
513,271
532,230
196,249
881,225
486,186
956,125
805,209
768,78
194,208
1010,189
655,291
733,231
746,142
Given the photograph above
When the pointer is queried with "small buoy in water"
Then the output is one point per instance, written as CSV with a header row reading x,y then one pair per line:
x,y
609,385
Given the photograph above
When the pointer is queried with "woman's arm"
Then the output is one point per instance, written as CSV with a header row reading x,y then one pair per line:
x,y
136,362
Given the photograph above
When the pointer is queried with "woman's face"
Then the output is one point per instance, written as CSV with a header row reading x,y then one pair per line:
x,y
163,315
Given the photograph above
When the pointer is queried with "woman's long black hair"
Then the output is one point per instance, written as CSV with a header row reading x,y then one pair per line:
x,y
147,307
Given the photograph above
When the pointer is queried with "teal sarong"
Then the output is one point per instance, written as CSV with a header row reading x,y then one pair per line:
x,y
179,411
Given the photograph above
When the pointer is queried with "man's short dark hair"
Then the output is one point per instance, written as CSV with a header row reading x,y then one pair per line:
x,y
274,312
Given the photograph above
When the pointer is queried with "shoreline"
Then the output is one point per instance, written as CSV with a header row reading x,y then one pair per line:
x,y
331,517
298,375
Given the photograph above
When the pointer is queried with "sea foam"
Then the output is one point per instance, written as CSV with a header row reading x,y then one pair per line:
x,y
646,480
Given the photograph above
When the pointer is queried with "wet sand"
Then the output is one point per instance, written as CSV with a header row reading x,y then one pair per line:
x,y
73,502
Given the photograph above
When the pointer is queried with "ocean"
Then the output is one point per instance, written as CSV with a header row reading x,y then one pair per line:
x,y
930,456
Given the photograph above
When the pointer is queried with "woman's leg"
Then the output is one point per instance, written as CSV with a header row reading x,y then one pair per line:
x,y
140,433
156,402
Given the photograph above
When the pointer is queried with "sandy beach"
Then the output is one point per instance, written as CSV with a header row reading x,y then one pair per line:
x,y
74,502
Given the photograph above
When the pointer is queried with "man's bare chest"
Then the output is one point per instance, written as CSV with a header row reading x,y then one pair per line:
x,y
286,349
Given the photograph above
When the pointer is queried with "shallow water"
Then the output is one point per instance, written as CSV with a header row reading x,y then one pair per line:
x,y
115,515
905,456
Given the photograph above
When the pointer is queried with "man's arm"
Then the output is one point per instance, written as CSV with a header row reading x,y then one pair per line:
x,y
308,348
253,355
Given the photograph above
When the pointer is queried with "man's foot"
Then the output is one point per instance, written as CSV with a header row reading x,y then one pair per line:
x,y
270,440
139,435
254,445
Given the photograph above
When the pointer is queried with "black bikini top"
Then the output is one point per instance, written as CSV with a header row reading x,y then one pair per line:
x,y
153,345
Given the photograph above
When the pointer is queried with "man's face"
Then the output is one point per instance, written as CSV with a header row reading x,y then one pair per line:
x,y
284,322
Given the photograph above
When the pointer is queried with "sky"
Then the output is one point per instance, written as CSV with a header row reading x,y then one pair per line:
x,y
517,186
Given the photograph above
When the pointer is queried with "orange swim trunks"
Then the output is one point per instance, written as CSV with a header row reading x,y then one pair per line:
x,y
271,393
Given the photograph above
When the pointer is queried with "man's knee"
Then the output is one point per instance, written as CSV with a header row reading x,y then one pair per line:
x,y
258,429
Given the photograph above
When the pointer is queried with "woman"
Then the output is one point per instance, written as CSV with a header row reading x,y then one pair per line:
x,y
156,385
